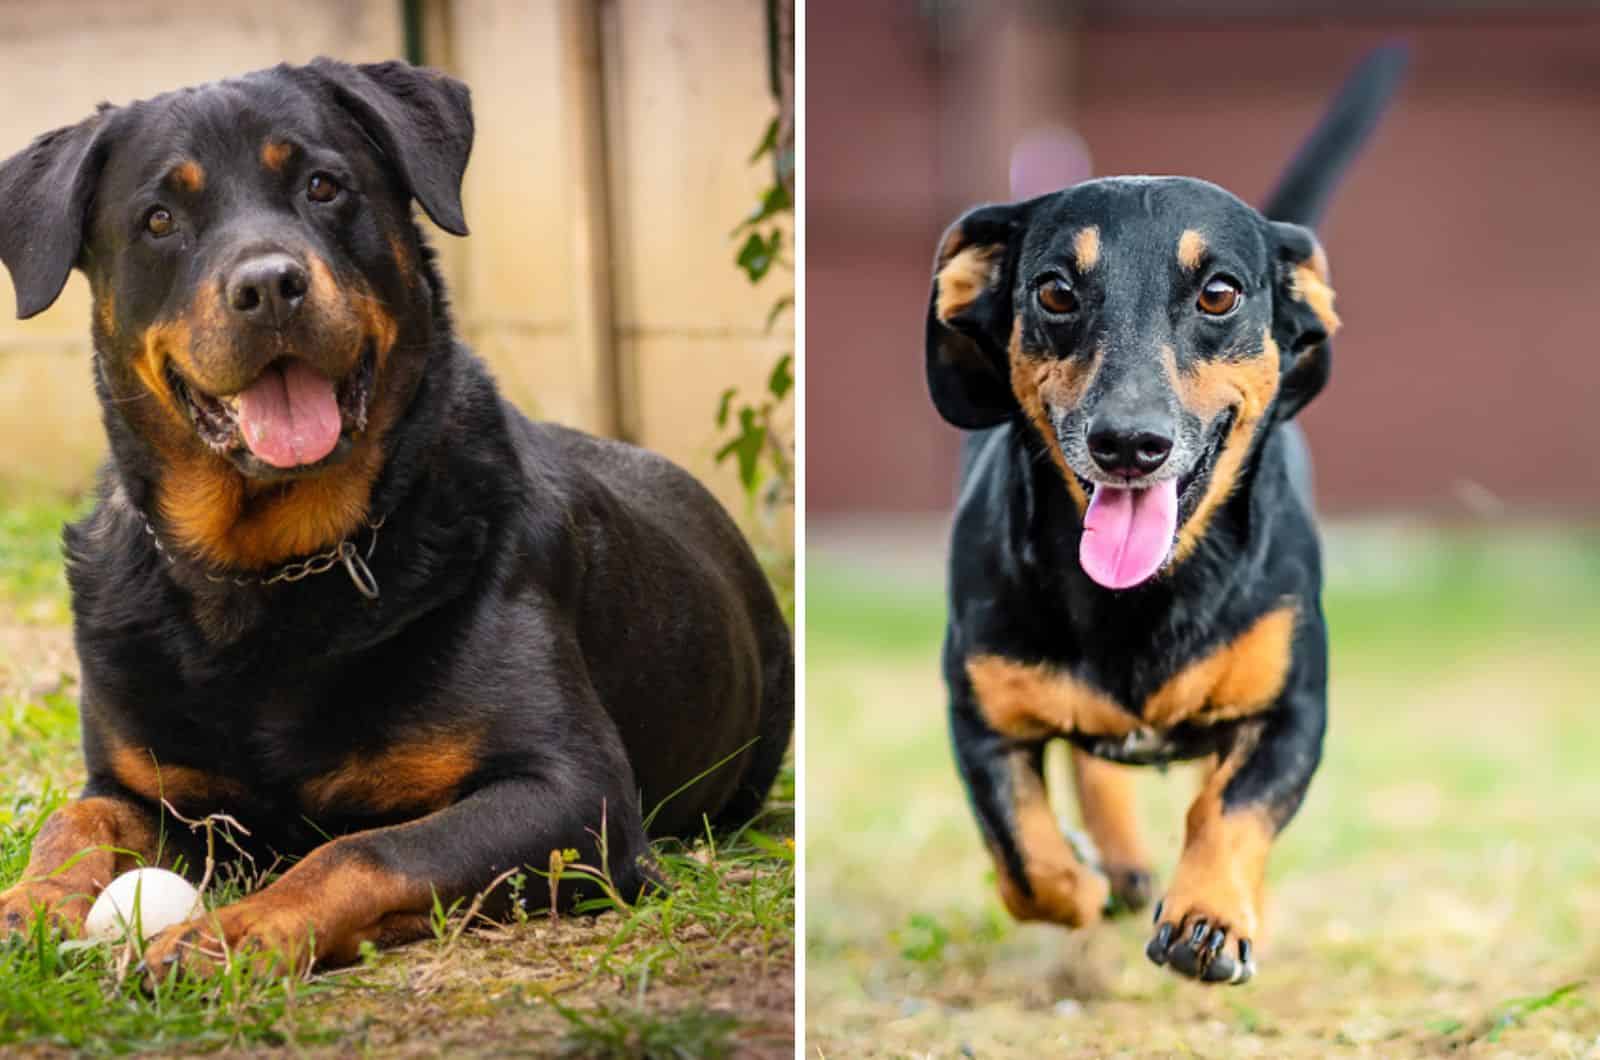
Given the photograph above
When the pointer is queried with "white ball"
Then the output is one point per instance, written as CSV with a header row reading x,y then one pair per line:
x,y
163,899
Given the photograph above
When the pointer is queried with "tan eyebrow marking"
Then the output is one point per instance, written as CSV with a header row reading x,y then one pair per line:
x,y
188,175
274,153
1190,246
1086,248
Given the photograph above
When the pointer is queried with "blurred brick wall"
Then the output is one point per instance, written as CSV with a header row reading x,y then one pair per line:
x,y
1465,243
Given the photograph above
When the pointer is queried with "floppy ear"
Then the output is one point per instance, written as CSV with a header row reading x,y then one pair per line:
x,y
970,318
45,190
419,118
1303,319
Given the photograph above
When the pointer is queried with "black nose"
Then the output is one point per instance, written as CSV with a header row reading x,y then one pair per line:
x,y
1127,449
267,289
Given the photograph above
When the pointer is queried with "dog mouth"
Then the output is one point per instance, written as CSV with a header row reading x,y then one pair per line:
x,y
1130,528
290,420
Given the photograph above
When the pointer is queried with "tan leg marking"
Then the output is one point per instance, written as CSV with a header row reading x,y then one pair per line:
x,y
1221,875
82,847
322,910
1064,889
1109,807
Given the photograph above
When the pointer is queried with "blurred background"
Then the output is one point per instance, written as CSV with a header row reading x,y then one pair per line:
x,y
612,167
1440,890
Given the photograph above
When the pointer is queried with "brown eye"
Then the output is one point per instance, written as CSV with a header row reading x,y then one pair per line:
x,y
159,223
322,188
1056,296
1218,296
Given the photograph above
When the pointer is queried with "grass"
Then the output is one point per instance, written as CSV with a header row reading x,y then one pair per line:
x,y
1439,893
704,969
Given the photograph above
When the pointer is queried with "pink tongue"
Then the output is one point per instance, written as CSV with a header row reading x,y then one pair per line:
x,y
1128,533
290,415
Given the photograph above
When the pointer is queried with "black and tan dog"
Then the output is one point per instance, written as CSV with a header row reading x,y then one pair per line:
x,y
335,586
1134,565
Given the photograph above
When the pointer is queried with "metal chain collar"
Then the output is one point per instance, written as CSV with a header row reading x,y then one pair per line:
x,y
345,552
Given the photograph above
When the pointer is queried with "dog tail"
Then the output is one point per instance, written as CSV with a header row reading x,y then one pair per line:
x,y
1306,186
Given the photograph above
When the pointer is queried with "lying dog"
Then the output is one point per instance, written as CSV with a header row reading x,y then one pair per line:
x,y
1134,564
335,586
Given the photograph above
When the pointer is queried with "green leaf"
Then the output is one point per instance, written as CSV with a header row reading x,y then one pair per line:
x,y
758,254
774,201
746,446
781,381
724,403
777,310
769,140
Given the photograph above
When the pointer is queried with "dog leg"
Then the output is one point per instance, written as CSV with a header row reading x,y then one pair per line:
x,y
1208,922
80,849
1106,801
1039,875
380,886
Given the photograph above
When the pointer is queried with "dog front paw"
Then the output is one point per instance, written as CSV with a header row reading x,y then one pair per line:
x,y
270,938
21,904
1206,938
1132,887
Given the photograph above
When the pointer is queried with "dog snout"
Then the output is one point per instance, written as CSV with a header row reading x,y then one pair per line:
x,y
267,289
1129,447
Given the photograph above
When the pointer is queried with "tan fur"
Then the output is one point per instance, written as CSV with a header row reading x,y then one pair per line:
x,y
81,847
1108,804
1235,680
1222,873
1039,382
184,786
1033,700
211,509
190,176
105,312
1086,248
274,154
1191,247
401,255
1308,284
966,276
419,775
1247,384
319,912
1065,891
213,512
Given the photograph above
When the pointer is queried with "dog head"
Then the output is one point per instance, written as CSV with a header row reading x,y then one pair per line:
x,y
260,302
1149,330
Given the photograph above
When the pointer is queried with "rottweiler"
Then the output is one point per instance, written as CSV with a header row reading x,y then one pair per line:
x,y
335,586
1134,565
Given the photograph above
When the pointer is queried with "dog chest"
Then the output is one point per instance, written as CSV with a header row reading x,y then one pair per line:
x,y
1238,678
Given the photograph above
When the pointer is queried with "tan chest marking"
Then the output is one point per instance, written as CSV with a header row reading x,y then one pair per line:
x,y
137,769
1033,700
1240,678
1235,680
421,774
